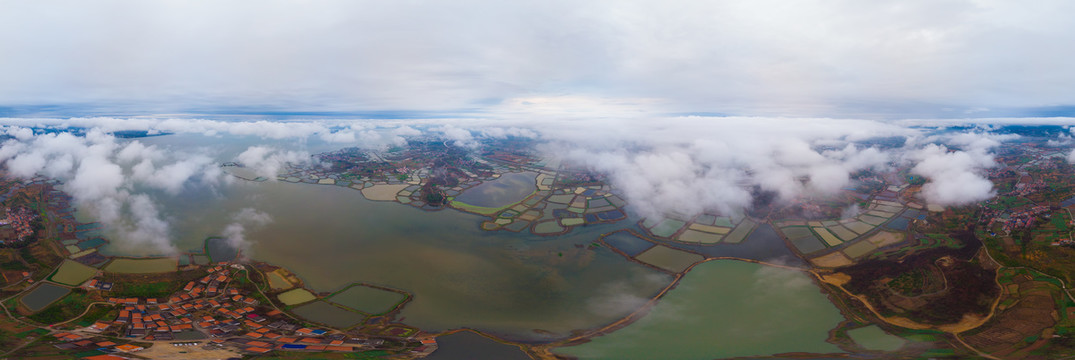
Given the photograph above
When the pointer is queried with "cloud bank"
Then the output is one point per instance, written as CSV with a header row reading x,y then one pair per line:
x,y
766,58
664,165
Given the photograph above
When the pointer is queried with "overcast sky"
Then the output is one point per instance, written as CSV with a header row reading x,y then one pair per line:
x,y
855,59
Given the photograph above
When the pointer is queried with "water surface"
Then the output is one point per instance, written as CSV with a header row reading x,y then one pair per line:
x,y
509,188
725,308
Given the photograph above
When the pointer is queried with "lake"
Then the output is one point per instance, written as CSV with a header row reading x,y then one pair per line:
x,y
503,283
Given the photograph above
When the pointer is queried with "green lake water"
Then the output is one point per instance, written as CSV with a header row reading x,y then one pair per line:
x,y
873,338
725,308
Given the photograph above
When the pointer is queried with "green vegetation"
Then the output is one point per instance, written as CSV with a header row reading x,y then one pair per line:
x,y
909,283
146,289
1008,202
140,266
14,265
296,296
27,255
73,273
97,313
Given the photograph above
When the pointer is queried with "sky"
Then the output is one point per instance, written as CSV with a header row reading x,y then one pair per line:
x,y
688,106
841,59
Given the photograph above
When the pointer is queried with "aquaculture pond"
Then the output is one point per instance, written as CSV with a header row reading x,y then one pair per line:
x,y
328,314
505,190
466,345
725,308
367,299
43,295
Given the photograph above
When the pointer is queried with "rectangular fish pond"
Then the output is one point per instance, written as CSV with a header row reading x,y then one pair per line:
x,y
44,295
328,314
368,299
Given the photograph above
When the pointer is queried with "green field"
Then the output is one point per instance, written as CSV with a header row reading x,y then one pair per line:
x,y
277,282
145,289
142,266
73,273
368,299
296,296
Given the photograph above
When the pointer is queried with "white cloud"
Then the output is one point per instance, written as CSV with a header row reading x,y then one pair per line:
x,y
764,57
662,164
105,178
954,176
235,232
268,161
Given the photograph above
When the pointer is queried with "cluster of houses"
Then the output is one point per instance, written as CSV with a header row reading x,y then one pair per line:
x,y
1019,219
18,224
227,316
95,284
75,342
1028,185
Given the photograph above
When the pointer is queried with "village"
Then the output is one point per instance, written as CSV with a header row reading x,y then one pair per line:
x,y
67,297
230,317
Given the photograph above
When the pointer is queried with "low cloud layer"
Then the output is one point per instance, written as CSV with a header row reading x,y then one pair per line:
x,y
664,165
235,232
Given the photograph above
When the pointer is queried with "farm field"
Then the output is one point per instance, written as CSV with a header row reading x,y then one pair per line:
x,y
73,273
296,296
142,266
